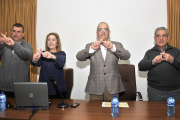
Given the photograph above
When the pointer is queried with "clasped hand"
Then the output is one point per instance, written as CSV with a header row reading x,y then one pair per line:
x,y
7,40
163,56
46,54
97,44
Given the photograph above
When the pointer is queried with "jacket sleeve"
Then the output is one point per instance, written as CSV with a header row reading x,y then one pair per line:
x,y
1,49
84,54
176,62
145,64
38,63
121,52
60,60
24,52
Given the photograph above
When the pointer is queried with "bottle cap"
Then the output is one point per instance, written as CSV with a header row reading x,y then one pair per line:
x,y
114,95
2,92
171,95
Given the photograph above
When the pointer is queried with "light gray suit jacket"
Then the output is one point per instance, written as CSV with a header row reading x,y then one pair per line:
x,y
104,73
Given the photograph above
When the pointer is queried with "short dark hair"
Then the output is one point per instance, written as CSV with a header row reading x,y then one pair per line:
x,y
18,25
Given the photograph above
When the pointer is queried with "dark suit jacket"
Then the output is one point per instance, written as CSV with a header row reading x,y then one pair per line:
x,y
104,73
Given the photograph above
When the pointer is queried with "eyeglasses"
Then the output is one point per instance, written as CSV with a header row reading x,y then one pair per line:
x,y
103,29
163,36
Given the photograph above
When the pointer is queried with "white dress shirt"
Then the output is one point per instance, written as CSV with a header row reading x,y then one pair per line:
x,y
103,50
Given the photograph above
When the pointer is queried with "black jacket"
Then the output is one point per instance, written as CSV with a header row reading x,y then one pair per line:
x,y
165,75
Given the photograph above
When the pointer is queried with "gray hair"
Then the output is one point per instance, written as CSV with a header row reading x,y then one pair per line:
x,y
104,23
162,28
107,26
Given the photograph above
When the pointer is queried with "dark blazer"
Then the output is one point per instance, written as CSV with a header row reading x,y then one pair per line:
x,y
104,73
54,68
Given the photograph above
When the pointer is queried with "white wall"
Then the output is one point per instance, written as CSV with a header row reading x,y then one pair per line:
x,y
132,22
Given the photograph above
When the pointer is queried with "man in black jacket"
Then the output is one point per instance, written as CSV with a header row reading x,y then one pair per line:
x,y
163,64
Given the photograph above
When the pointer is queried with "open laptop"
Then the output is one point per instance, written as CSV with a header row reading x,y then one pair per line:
x,y
30,95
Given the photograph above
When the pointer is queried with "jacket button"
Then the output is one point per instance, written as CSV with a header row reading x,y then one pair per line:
x,y
104,65
104,73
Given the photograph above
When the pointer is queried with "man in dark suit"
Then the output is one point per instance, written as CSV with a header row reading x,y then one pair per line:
x,y
104,79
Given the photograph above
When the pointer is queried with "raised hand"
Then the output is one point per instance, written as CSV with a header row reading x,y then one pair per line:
x,y
167,57
7,40
2,38
48,55
108,44
37,56
96,45
158,59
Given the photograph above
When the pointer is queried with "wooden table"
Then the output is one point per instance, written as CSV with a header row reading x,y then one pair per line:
x,y
138,110
54,113
92,110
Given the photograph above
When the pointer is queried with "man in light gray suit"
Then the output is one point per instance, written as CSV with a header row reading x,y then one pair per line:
x,y
104,79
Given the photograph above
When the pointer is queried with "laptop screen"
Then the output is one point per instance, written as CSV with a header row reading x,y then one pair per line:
x,y
30,95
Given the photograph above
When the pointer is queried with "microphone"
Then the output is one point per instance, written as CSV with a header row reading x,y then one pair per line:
x,y
61,105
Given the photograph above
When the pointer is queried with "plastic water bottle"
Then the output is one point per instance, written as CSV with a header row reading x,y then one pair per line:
x,y
171,105
2,101
115,106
